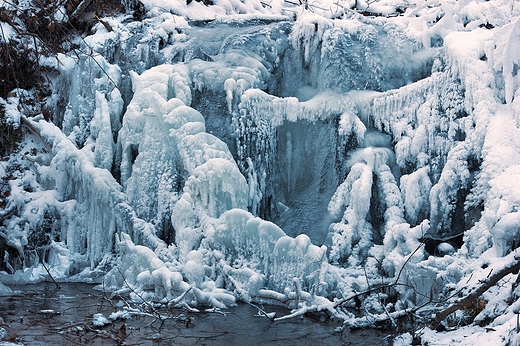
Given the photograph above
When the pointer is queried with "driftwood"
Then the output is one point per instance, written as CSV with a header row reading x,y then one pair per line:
x,y
468,301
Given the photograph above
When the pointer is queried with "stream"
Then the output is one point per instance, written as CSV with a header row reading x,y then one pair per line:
x,y
41,314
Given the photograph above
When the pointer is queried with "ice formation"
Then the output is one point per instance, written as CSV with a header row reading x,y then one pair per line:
x,y
298,161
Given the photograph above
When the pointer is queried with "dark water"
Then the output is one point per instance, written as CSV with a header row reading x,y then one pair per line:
x,y
42,315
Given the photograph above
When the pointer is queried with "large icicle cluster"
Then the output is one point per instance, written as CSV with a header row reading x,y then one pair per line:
x,y
178,184
212,186
426,120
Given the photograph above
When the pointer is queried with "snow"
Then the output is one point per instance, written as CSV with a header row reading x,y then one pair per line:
x,y
201,164
8,32
500,171
99,320
506,58
415,189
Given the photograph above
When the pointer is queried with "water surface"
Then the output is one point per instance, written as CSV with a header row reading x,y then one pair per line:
x,y
41,314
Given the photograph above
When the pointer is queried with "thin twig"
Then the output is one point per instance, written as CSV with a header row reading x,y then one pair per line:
x,y
47,269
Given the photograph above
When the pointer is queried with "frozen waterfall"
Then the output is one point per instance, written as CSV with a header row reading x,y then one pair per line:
x,y
206,162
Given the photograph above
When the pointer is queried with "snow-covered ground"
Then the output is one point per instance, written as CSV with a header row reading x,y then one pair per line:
x,y
295,152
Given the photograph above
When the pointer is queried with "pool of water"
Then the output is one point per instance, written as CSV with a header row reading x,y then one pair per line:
x,y
42,314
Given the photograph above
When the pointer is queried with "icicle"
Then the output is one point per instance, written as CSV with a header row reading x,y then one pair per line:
x,y
229,87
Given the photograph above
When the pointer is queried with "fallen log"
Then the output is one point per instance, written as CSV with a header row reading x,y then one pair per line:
x,y
468,301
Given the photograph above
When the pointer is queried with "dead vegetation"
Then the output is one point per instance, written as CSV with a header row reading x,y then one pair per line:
x,y
45,29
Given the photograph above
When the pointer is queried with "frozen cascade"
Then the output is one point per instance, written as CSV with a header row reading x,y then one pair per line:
x,y
369,55
99,209
168,164
428,121
272,131
201,173
212,181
